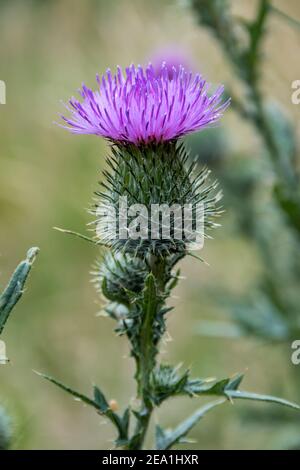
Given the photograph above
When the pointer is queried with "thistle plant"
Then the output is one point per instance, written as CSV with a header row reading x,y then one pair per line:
x,y
143,115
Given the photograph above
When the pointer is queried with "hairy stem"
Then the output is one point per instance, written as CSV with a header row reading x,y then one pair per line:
x,y
146,360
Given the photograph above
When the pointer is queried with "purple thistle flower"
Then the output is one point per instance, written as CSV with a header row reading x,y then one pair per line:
x,y
144,107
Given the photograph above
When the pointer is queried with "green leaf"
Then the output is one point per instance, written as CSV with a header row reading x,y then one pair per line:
x,y
211,386
235,382
100,399
241,394
160,437
74,393
101,405
15,287
126,419
166,439
229,388
134,441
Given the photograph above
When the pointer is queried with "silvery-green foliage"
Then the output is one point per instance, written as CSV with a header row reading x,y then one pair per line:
x,y
15,288
8,300
6,431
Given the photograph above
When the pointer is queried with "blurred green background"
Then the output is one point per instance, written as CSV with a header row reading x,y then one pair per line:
x,y
47,178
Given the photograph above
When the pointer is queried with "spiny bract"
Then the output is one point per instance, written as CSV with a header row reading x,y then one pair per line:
x,y
155,175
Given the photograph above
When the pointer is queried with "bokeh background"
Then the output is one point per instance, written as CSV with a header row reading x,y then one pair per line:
x,y
47,178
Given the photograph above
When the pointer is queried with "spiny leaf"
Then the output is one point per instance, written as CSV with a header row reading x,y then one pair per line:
x,y
126,419
235,382
241,394
229,388
100,399
119,423
166,382
74,393
166,439
15,287
100,404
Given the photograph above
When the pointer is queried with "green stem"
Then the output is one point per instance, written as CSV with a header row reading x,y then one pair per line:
x,y
146,359
145,365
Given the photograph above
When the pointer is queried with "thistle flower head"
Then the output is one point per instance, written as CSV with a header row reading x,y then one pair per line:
x,y
119,277
143,106
159,183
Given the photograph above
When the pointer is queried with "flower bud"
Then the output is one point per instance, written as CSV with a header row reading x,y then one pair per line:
x,y
120,277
